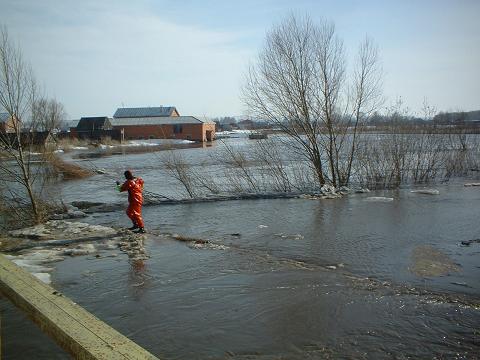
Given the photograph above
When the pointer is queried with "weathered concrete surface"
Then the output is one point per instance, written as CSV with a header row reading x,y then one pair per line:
x,y
79,332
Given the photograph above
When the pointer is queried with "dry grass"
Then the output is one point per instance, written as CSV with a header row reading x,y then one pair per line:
x,y
66,144
68,170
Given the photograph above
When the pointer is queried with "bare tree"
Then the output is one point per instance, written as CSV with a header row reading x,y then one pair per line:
x,y
299,85
365,98
239,171
180,169
21,171
280,88
50,114
268,155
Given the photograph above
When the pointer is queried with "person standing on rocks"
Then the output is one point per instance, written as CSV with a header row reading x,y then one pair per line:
x,y
134,186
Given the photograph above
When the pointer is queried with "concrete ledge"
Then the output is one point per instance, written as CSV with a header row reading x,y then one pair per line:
x,y
76,330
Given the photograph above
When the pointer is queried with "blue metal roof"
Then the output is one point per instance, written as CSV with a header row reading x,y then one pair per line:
x,y
159,120
143,112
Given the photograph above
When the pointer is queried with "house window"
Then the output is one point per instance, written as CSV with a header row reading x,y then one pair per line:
x,y
177,129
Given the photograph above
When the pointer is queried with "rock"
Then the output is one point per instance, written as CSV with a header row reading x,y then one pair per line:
x,y
201,242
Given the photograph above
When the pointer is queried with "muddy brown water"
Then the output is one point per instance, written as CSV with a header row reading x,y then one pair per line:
x,y
285,279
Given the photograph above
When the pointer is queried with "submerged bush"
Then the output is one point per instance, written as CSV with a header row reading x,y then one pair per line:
x,y
67,170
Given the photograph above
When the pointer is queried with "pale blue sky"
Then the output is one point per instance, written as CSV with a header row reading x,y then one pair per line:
x,y
95,56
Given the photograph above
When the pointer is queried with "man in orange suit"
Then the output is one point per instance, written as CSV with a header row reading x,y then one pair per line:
x,y
134,186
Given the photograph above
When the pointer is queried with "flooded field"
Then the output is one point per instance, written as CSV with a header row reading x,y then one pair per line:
x,y
355,277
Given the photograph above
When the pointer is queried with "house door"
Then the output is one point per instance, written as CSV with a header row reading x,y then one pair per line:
x,y
209,135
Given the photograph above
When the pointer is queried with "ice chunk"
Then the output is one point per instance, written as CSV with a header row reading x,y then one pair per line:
x,y
379,199
43,277
426,191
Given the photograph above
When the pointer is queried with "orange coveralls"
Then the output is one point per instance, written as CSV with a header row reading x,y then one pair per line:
x,y
135,200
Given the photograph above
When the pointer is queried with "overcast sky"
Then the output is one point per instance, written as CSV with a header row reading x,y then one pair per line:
x,y
95,56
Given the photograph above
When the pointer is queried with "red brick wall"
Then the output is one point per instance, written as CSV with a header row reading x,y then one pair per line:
x,y
7,126
196,132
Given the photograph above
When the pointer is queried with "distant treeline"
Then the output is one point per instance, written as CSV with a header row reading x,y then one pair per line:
x,y
456,117
461,118
442,118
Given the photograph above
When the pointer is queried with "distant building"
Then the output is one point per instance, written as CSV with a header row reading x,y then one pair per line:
x,y
161,123
7,123
95,128
246,124
36,139
160,111
67,125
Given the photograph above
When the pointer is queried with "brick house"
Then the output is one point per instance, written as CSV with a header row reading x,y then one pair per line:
x,y
161,123
7,124
95,128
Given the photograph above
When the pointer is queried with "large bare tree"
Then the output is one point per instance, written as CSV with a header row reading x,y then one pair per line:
x,y
49,114
300,85
27,114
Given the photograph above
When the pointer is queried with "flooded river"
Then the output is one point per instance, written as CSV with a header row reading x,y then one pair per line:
x,y
354,277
